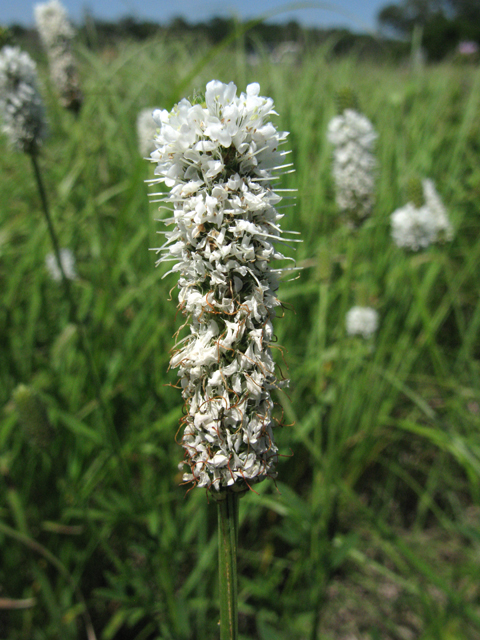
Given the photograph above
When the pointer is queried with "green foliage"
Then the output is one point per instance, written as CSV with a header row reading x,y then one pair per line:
x,y
415,192
444,23
5,36
33,416
345,98
373,528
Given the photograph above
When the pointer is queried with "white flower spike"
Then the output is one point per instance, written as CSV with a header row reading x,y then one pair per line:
x,y
21,105
353,137
56,34
219,160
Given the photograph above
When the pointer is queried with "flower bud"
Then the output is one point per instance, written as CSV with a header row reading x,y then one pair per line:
x,y
33,416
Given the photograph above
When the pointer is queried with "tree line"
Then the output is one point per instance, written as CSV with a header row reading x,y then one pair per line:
x,y
98,34
443,23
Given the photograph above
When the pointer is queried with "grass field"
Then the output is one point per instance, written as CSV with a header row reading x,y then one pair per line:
x,y
373,529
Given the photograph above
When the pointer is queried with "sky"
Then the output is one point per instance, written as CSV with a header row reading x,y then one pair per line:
x,y
357,15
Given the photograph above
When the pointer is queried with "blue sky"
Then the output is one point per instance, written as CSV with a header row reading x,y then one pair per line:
x,y
363,12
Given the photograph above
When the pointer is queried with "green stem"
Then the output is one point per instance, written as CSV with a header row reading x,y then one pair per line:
x,y
227,558
322,495
53,237
73,314
319,600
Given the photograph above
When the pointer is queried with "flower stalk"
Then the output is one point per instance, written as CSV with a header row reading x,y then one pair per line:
x,y
111,434
72,307
227,563
53,237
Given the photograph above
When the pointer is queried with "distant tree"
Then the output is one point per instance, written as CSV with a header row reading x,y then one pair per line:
x,y
179,24
466,9
445,22
441,36
403,16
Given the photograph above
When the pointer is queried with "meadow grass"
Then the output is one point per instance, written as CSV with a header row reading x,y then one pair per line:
x,y
372,527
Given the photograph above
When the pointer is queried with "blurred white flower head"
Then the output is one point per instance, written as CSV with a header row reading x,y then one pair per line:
x,y
288,51
56,34
21,106
219,161
416,228
353,137
444,230
361,321
146,130
68,264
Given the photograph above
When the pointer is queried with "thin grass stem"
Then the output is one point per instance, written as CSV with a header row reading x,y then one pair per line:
x,y
53,236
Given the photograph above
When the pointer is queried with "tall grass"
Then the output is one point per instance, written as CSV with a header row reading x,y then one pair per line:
x,y
372,528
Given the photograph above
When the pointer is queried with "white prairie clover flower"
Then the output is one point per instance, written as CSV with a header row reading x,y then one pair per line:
x,y
56,34
353,137
21,105
417,227
68,264
219,161
413,228
146,130
362,321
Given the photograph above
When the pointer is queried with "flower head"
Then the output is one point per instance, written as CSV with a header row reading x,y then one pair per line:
x,y
68,265
21,105
56,34
413,228
219,161
361,321
353,137
416,227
